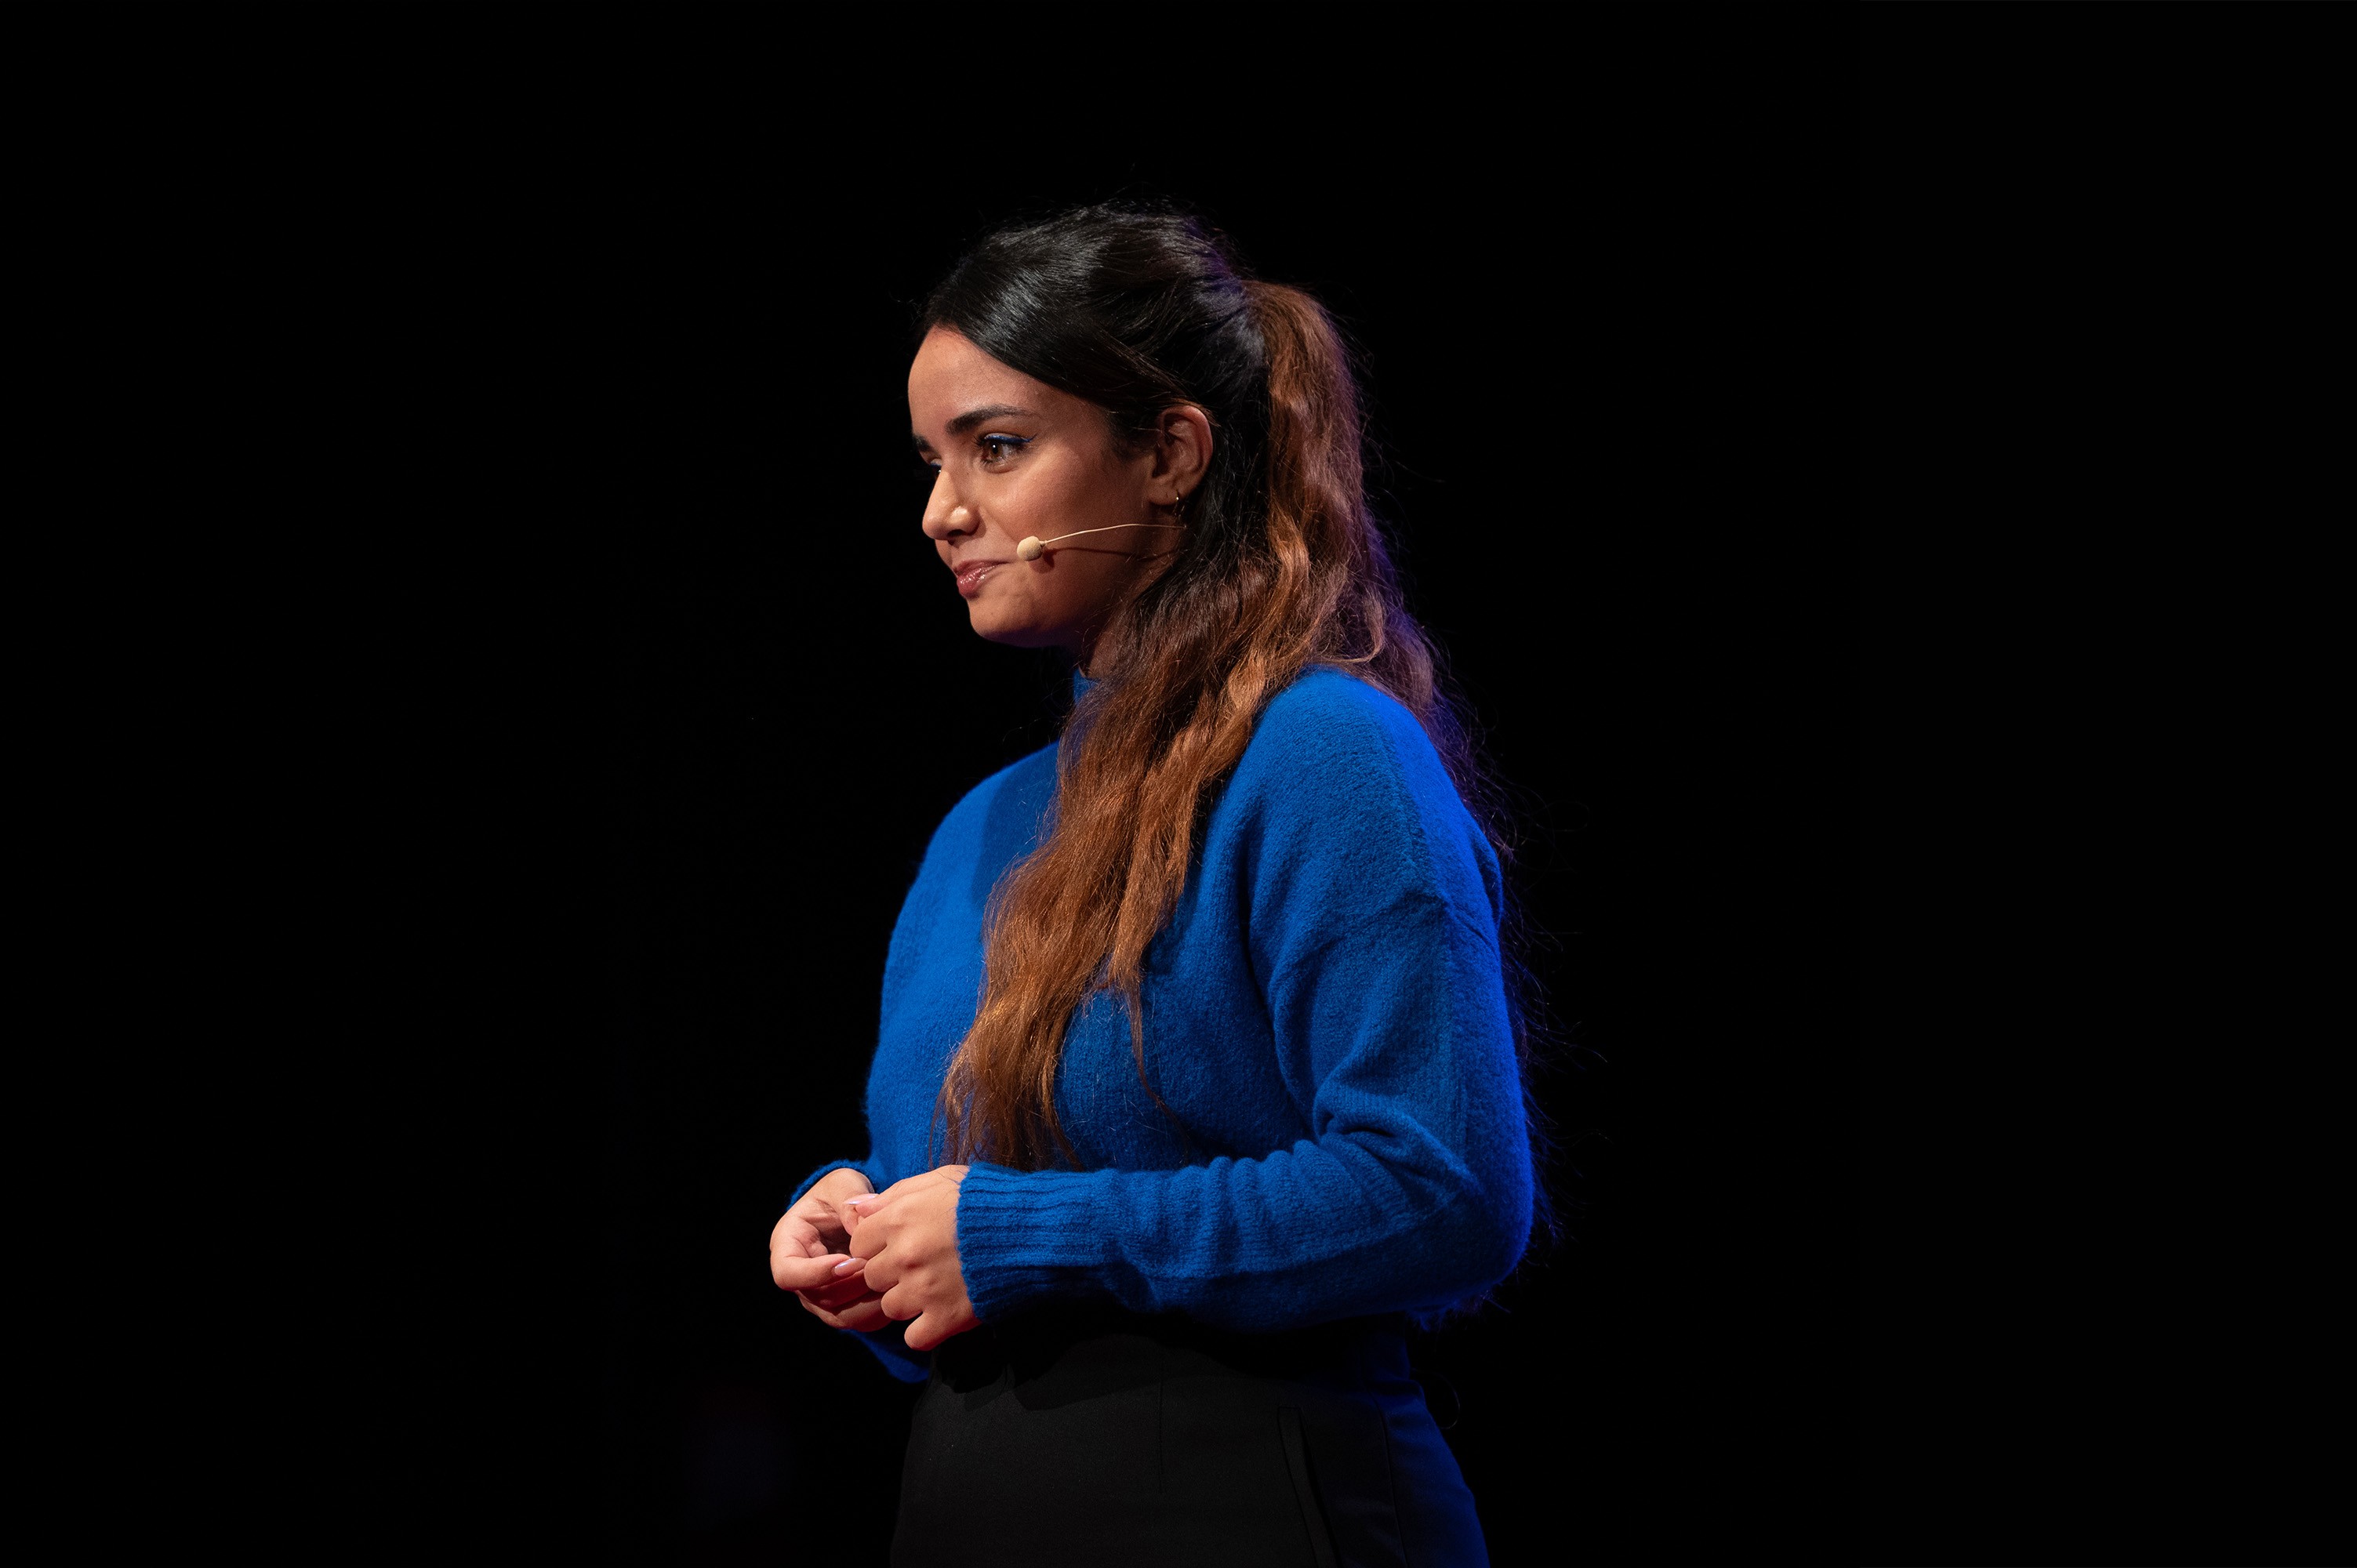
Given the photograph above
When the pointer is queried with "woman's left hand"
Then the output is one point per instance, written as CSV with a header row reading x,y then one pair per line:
x,y
906,1238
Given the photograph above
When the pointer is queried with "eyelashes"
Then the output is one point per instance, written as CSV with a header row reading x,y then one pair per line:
x,y
995,451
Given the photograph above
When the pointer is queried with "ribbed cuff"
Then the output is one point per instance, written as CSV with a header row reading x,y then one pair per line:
x,y
1024,1237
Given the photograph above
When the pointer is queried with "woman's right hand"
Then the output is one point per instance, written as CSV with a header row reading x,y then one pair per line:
x,y
810,1241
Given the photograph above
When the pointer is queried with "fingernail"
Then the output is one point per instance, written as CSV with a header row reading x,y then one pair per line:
x,y
846,1266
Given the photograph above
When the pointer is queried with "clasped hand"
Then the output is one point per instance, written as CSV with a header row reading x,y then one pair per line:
x,y
857,1257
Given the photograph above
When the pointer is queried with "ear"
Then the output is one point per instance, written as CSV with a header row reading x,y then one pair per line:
x,y
1182,453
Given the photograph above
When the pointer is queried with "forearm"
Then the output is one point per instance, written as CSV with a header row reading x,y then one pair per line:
x,y
1323,1230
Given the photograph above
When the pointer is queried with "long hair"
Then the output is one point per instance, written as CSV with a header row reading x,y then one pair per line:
x,y
1282,566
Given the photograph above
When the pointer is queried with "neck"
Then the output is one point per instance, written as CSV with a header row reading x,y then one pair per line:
x,y
1104,643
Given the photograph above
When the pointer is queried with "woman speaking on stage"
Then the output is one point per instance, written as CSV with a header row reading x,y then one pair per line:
x,y
1198,1077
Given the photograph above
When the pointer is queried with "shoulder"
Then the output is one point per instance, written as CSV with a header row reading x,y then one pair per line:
x,y
1331,729
1027,777
1341,799
1001,812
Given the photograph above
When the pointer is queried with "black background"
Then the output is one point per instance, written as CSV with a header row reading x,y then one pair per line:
x,y
1616,464
498,578
1645,583
482,692
2100,306
1643,586
543,694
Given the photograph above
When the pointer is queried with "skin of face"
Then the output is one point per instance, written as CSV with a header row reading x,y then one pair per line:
x,y
1015,458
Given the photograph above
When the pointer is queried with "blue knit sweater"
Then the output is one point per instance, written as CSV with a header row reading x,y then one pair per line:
x,y
1325,1019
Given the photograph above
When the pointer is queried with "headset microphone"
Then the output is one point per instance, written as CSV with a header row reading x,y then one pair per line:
x,y
1032,548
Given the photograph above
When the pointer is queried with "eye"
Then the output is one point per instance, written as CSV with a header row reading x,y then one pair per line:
x,y
996,449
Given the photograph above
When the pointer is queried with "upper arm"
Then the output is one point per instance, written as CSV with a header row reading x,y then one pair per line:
x,y
1355,824
1374,913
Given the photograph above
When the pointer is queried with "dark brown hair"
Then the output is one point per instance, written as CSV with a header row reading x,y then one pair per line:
x,y
1282,566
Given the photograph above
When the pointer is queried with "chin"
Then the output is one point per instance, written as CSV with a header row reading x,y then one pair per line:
x,y
991,623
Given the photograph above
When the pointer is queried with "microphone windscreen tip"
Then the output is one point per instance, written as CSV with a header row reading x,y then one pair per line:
x,y
1029,550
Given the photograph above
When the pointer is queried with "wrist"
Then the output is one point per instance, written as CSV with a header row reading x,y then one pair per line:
x,y
837,1184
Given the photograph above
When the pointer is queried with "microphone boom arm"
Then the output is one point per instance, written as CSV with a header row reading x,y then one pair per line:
x,y
1032,548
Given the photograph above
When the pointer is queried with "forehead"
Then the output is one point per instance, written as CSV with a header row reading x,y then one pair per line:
x,y
951,376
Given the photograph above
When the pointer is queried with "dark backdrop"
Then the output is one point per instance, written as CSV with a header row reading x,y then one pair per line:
x,y
563,694
481,692
1608,348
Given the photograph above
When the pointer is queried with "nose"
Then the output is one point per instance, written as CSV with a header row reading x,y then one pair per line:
x,y
946,517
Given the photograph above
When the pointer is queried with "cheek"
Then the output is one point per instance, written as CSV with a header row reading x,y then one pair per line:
x,y
1080,587
1059,495
1029,606
1029,597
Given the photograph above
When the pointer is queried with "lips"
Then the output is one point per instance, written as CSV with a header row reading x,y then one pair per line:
x,y
969,574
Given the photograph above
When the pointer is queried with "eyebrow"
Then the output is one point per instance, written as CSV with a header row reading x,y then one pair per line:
x,y
976,416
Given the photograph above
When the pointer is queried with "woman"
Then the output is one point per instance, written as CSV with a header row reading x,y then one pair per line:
x,y
1198,1072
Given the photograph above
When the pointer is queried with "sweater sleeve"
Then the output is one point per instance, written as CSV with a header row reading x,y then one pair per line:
x,y
1374,927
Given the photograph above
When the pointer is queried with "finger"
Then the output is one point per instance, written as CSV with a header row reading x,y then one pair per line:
x,y
796,1234
833,1320
866,1314
865,1317
824,1226
812,1210
812,1241
901,1304
843,1288
837,1309
835,1296
804,1273
937,1324
861,1314
871,1238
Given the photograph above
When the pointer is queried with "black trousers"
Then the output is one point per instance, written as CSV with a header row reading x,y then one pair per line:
x,y
1109,1438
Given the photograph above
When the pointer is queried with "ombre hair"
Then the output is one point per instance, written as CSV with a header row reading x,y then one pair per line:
x,y
1281,566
